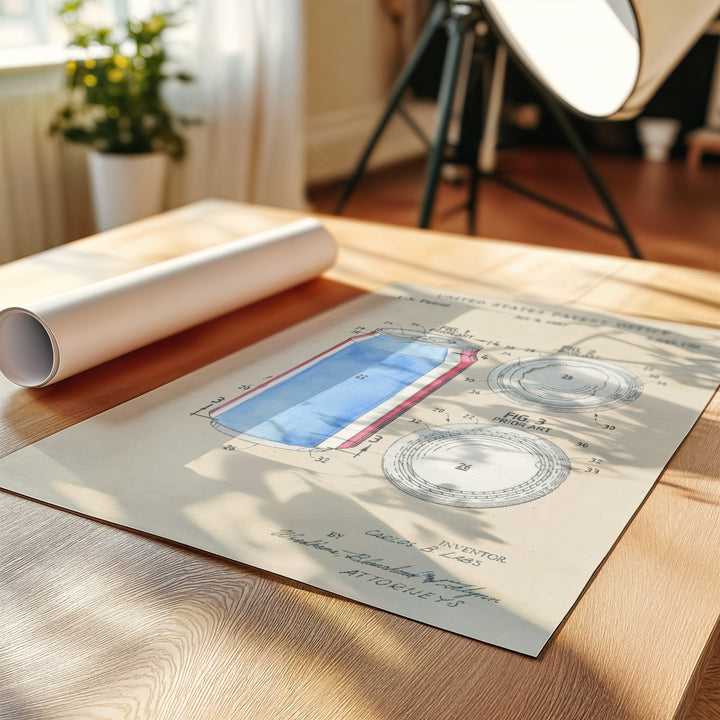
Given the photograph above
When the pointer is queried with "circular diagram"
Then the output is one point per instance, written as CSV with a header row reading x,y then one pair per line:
x,y
475,466
565,384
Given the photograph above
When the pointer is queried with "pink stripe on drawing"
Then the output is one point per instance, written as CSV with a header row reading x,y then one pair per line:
x,y
467,358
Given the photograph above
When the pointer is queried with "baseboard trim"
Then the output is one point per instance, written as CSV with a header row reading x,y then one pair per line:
x,y
335,140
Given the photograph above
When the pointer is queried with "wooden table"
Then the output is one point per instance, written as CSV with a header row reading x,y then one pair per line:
x,y
98,622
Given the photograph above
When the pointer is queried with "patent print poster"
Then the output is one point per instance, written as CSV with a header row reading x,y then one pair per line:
x,y
461,461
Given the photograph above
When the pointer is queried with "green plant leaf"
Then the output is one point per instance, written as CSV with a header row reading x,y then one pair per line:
x,y
114,99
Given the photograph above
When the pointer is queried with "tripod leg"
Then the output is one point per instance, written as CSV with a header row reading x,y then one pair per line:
x,y
482,128
456,27
434,21
462,87
577,145
473,192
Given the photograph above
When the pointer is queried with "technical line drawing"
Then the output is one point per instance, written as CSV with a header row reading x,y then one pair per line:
x,y
347,393
475,466
560,383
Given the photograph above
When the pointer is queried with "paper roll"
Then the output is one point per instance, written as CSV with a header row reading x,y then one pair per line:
x,y
50,339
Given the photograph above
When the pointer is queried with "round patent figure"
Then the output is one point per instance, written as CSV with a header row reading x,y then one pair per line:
x,y
559,383
475,466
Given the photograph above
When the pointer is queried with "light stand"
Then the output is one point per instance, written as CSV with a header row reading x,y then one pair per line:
x,y
460,18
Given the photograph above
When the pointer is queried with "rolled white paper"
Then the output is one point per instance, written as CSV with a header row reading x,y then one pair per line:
x,y
50,339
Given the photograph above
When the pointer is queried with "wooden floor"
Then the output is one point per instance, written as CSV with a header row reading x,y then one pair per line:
x,y
673,213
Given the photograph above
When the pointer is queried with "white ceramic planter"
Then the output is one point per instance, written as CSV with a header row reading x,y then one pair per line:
x,y
126,187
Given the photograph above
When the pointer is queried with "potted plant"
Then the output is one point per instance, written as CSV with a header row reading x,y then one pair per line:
x,y
115,106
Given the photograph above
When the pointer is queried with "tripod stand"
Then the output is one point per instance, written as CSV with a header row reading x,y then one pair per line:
x,y
460,18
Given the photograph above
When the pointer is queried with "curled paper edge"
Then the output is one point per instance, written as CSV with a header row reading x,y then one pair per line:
x,y
29,353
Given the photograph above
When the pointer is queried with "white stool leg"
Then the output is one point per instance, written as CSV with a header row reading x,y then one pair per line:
x,y
487,156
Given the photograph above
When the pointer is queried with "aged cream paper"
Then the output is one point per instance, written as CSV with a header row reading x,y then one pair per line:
x,y
462,461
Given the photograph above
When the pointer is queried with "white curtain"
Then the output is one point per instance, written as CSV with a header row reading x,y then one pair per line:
x,y
31,199
248,60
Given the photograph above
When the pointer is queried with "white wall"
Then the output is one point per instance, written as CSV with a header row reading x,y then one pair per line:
x,y
353,54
